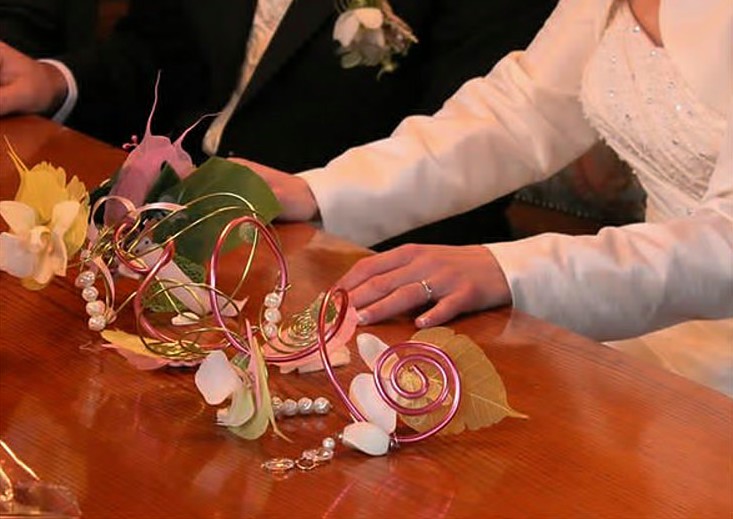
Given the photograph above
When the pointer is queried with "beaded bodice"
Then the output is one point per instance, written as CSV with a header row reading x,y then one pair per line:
x,y
639,103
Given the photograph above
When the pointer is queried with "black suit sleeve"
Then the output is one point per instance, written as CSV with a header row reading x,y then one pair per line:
x,y
116,78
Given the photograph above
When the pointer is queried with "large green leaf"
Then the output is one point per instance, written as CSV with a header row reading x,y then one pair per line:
x,y
221,177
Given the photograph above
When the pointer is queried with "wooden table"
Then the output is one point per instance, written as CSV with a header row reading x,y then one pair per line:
x,y
607,437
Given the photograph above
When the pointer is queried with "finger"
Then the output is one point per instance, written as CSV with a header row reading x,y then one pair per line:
x,y
405,298
375,265
381,286
444,310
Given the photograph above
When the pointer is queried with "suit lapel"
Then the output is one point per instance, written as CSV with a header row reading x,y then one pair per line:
x,y
301,20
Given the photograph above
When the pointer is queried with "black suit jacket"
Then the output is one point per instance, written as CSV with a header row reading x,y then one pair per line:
x,y
301,109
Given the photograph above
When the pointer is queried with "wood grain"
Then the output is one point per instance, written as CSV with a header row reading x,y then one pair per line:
x,y
607,436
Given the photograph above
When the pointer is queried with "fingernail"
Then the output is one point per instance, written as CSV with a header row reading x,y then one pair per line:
x,y
362,317
422,322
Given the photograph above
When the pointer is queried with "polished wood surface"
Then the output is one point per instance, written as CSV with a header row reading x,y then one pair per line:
x,y
607,435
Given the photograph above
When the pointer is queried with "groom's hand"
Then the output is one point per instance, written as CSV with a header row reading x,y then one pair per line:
x,y
292,192
27,85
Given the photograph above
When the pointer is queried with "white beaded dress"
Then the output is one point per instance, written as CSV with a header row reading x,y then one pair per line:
x,y
639,103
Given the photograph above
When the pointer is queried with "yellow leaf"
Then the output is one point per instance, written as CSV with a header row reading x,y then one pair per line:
x,y
129,342
483,395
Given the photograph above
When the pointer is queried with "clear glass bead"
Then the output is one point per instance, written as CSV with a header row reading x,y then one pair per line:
x,y
273,300
96,308
85,279
90,294
329,443
289,407
321,405
273,315
270,330
97,323
305,405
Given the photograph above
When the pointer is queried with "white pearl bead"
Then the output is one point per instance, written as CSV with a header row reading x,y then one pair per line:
x,y
96,308
321,405
90,294
85,279
289,407
273,300
272,315
97,323
305,405
329,443
270,330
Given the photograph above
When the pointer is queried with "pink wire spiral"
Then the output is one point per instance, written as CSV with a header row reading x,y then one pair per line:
x,y
427,354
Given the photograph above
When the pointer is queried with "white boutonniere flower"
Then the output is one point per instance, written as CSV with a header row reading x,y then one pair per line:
x,y
370,34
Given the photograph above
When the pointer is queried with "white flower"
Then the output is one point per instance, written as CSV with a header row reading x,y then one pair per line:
x,y
33,251
350,22
217,380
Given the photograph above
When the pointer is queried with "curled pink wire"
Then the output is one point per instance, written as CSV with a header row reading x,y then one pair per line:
x,y
213,265
427,354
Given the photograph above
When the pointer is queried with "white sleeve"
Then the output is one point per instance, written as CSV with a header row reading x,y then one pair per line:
x,y
72,91
634,279
519,124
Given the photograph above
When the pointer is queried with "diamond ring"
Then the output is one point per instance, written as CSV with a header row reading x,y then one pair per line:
x,y
428,290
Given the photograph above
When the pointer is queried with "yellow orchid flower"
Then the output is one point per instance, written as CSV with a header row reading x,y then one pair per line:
x,y
43,187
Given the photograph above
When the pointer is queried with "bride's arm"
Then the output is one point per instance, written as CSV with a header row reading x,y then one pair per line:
x,y
630,280
518,125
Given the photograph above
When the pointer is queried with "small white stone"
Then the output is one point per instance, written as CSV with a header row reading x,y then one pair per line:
x,y
289,407
273,300
329,443
90,294
305,405
321,405
97,323
85,279
96,308
273,315
367,438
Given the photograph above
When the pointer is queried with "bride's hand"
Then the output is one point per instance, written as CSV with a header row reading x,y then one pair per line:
x,y
454,280
292,192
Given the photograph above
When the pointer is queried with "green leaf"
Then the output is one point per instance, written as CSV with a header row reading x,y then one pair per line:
x,y
219,177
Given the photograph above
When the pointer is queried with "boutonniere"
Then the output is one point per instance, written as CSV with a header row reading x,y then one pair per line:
x,y
371,34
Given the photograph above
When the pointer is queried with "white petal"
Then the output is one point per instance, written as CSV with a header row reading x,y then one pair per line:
x,y
21,218
363,393
367,438
184,319
15,257
370,348
347,25
51,260
241,409
216,379
63,216
369,17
